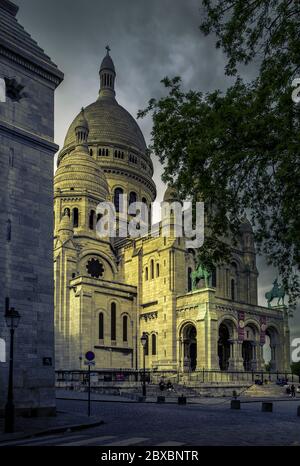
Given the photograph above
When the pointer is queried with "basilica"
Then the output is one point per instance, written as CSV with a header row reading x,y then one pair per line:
x,y
109,291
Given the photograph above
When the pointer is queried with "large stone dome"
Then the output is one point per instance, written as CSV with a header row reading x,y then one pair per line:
x,y
115,141
109,123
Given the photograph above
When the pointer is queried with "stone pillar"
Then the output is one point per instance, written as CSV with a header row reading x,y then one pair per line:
x,y
260,357
235,360
273,357
254,364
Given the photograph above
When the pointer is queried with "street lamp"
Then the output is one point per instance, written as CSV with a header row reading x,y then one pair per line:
x,y
144,341
12,318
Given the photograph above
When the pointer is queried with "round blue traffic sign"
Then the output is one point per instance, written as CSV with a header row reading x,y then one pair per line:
x,y
90,356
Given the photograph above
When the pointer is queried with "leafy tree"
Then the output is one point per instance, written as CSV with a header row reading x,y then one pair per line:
x,y
295,368
239,150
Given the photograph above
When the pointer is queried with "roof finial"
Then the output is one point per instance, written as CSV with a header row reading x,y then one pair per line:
x,y
107,49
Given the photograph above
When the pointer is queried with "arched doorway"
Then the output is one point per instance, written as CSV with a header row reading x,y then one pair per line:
x,y
224,347
226,335
189,341
247,355
249,347
270,349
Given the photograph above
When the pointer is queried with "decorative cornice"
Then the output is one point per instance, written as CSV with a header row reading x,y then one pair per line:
x,y
24,135
149,316
32,64
9,7
152,303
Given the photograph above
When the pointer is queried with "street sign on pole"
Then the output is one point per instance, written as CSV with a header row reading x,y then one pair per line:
x,y
89,356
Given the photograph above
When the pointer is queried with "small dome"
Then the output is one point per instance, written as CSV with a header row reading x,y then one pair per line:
x,y
171,195
78,171
65,223
107,63
81,120
246,225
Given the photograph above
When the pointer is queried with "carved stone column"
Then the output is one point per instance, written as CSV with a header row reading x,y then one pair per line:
x,y
254,362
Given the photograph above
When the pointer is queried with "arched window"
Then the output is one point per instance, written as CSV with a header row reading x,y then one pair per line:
x,y
2,350
67,212
75,217
232,291
189,279
153,344
132,197
214,277
146,347
106,152
157,269
2,90
113,321
8,230
234,281
117,201
99,216
152,269
11,157
101,326
146,273
91,152
125,328
92,220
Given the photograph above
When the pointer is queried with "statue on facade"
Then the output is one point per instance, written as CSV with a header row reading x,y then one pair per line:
x,y
198,274
276,292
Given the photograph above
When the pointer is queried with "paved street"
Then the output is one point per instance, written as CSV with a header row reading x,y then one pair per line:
x,y
209,423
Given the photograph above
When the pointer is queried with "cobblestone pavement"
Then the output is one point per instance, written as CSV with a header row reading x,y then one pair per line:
x,y
207,424
210,422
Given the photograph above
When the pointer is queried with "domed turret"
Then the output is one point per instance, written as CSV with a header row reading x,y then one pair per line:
x,y
78,171
82,129
65,229
107,76
171,195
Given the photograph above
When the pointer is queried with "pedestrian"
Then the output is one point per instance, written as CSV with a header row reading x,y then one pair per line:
x,y
293,391
161,385
170,386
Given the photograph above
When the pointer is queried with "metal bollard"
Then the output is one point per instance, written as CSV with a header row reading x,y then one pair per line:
x,y
267,407
235,404
182,400
161,399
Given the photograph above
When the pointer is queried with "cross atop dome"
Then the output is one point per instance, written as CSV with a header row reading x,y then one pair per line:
x,y
108,49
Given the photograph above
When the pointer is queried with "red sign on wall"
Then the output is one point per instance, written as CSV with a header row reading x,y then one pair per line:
x,y
241,325
263,326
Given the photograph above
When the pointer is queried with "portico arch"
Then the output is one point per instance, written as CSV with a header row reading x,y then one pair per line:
x,y
249,346
226,335
271,348
188,338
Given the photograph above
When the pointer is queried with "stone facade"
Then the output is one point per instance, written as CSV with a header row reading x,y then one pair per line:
x,y
28,79
108,292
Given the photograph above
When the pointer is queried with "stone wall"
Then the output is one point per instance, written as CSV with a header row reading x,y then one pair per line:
x,y
26,173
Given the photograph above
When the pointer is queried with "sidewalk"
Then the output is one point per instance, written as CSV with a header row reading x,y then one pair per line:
x,y
63,421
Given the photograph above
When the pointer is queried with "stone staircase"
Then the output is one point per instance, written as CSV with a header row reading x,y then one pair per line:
x,y
270,390
153,391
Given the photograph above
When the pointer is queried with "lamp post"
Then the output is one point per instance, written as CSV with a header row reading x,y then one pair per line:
x,y
12,318
144,341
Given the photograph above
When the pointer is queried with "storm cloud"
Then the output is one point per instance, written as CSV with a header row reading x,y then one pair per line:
x,y
149,40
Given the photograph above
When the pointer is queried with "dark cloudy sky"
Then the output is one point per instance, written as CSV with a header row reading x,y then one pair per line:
x,y
149,39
